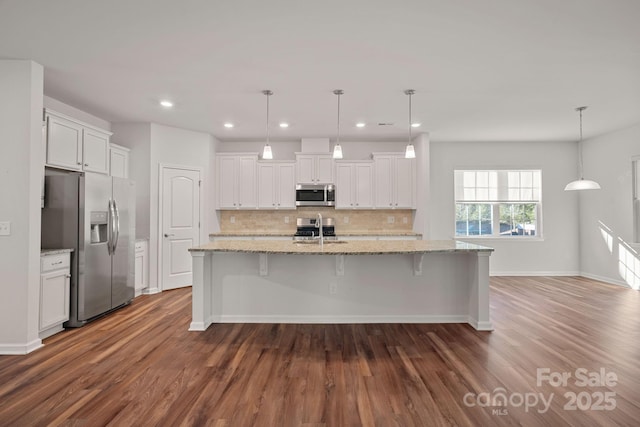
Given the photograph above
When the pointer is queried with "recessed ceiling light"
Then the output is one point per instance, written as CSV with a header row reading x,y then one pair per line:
x,y
415,125
166,103
360,125
284,125
228,125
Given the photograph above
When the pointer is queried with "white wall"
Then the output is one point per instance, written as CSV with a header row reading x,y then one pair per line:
x,y
21,169
557,252
606,214
172,146
137,137
152,145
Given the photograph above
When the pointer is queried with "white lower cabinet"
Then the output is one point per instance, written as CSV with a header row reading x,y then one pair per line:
x,y
141,266
55,280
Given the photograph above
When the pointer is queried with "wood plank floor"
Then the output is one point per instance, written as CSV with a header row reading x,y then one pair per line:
x,y
140,366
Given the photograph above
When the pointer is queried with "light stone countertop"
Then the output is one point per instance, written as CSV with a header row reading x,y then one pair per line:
x,y
47,252
360,247
267,233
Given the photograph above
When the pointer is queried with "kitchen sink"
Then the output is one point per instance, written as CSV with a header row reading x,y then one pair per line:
x,y
316,242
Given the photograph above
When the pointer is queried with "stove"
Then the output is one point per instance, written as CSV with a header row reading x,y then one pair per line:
x,y
307,229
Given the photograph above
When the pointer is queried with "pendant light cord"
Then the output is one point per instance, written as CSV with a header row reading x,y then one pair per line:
x,y
410,92
580,164
268,93
338,92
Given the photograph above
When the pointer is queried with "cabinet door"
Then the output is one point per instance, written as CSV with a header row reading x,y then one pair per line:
x,y
227,182
95,148
324,169
286,193
54,298
363,191
383,182
64,143
404,183
267,186
247,182
344,186
118,163
305,166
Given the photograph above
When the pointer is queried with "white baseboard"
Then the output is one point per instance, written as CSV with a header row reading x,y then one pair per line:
x,y
344,319
20,349
608,280
150,291
535,273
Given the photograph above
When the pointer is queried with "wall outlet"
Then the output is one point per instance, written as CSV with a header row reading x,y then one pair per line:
x,y
405,220
5,228
345,220
286,220
232,219
391,220
333,288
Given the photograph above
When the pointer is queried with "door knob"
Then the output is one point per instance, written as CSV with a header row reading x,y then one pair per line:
x,y
167,235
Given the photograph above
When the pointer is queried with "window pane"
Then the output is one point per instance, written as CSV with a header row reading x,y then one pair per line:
x,y
469,194
513,179
473,219
518,219
469,179
482,179
526,179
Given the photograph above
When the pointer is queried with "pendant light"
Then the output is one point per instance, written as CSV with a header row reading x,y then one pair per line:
x,y
337,149
266,152
410,152
581,184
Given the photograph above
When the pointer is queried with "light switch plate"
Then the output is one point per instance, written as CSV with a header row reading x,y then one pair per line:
x,y
5,228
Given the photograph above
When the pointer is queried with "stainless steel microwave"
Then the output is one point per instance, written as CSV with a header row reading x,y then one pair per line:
x,y
315,195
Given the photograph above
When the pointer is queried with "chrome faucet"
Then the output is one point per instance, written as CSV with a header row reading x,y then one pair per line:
x,y
319,226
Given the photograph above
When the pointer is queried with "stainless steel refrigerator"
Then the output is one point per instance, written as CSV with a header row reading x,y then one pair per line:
x,y
94,215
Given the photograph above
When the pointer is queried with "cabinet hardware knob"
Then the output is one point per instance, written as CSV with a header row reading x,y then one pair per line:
x,y
86,164
79,163
68,276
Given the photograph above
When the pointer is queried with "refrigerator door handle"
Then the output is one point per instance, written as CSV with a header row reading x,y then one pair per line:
x,y
110,231
117,225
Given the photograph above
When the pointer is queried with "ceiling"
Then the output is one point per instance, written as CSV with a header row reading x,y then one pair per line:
x,y
488,70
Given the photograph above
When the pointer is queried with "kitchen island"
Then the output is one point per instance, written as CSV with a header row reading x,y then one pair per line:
x,y
393,281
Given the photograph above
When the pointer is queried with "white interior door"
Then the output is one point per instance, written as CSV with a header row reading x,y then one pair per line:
x,y
180,224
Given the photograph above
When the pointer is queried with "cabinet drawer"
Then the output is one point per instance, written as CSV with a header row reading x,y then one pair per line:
x,y
54,262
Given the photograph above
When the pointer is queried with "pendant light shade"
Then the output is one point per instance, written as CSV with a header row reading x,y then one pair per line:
x,y
581,184
410,152
337,149
267,154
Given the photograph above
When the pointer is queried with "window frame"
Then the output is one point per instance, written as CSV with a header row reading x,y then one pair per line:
x,y
495,206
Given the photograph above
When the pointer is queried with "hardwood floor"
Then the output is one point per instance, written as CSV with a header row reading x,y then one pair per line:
x,y
140,366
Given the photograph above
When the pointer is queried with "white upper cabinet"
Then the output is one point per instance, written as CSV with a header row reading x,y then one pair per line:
x,y
395,185
75,145
354,185
118,161
276,182
314,168
237,181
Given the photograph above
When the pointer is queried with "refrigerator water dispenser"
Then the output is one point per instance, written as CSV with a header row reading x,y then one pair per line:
x,y
99,227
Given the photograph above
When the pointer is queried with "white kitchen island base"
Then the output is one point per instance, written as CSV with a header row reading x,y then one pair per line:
x,y
356,282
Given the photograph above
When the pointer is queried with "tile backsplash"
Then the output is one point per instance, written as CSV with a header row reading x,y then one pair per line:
x,y
345,220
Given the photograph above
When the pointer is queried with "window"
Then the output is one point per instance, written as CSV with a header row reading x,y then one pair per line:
x,y
497,203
